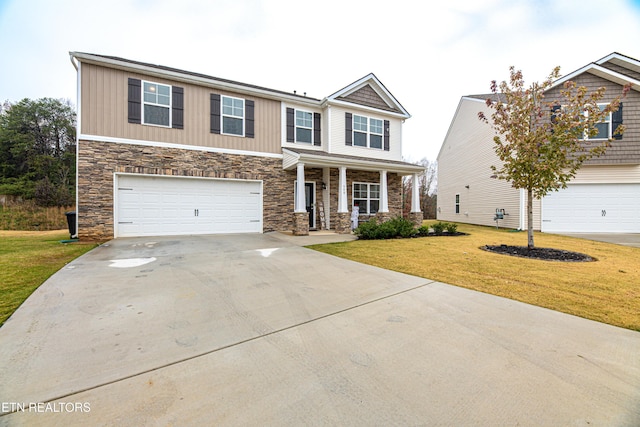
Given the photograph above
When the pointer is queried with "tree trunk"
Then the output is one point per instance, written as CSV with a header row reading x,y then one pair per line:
x,y
530,218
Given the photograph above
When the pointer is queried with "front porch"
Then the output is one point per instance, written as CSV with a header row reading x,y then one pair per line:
x,y
331,185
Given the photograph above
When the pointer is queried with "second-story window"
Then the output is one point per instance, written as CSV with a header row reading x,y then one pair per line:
x,y
304,126
367,132
156,104
232,116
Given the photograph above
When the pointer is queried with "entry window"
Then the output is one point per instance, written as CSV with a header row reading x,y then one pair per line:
x,y
367,197
457,203
156,102
304,126
232,116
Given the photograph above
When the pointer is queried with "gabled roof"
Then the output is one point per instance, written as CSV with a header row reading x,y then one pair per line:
x,y
599,69
370,93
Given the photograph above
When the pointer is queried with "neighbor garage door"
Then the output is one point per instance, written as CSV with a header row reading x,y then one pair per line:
x,y
162,206
593,208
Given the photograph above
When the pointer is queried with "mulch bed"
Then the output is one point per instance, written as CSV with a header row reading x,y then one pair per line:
x,y
546,254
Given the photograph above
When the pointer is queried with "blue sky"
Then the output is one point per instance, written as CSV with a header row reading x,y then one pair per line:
x,y
428,55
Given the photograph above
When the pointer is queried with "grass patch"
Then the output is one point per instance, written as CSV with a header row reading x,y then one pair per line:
x,y
607,290
27,259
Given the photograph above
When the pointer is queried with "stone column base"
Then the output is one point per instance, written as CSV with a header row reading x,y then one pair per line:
x,y
342,223
416,218
301,223
383,217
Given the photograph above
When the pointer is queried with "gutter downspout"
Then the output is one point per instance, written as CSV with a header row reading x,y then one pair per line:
x,y
76,65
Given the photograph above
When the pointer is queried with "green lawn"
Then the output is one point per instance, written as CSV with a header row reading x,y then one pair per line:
x,y
607,290
27,259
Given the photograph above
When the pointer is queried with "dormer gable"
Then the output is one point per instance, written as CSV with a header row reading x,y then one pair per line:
x,y
615,68
370,93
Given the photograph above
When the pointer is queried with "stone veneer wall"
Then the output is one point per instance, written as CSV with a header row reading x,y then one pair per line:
x,y
394,190
98,161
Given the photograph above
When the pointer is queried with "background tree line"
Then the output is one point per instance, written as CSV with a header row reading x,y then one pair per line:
x,y
37,151
428,189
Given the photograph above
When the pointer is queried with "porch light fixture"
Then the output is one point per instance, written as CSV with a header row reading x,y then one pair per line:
x,y
324,186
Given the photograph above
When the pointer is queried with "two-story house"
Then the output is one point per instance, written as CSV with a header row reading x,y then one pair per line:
x,y
604,196
163,151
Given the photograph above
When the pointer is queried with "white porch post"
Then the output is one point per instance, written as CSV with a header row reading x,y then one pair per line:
x,y
384,199
300,196
415,195
342,190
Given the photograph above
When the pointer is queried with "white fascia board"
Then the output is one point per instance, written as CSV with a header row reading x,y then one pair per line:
x,y
616,57
336,162
98,138
599,71
201,81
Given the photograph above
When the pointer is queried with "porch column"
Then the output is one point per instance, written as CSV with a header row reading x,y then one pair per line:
x,y
415,215
343,219
300,214
342,190
415,196
384,199
300,196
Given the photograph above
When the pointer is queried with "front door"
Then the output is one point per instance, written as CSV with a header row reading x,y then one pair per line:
x,y
310,202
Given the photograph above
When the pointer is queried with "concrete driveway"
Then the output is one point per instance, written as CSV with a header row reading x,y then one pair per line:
x,y
625,239
256,330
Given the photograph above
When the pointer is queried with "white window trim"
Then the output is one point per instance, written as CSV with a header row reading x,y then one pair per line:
x,y
608,120
295,126
456,209
169,107
368,132
223,115
368,198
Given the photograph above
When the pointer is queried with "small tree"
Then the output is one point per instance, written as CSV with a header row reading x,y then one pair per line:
x,y
542,144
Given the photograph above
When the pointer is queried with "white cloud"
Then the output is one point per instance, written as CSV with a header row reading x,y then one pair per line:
x,y
428,55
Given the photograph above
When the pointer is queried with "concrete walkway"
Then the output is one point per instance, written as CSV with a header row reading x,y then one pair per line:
x,y
256,330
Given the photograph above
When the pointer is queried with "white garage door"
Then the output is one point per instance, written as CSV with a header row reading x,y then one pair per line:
x,y
593,208
162,206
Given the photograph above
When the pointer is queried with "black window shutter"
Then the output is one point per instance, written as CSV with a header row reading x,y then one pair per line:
x,y
348,129
386,135
215,113
135,101
177,107
617,121
316,129
249,127
291,125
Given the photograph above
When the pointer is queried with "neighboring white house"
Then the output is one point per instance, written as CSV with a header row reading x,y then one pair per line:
x,y
603,197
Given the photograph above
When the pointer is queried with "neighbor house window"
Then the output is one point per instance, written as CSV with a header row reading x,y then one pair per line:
x,y
457,203
367,197
232,116
156,101
304,126
604,128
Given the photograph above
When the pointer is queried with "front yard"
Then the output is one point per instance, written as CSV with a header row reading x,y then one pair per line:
x,y
607,290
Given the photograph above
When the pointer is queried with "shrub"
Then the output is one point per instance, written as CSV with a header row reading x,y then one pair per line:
x,y
438,228
367,230
423,231
402,227
451,228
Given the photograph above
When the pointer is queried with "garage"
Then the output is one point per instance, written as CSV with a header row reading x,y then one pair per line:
x,y
164,206
593,208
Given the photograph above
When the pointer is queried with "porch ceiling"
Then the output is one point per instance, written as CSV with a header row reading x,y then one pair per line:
x,y
321,159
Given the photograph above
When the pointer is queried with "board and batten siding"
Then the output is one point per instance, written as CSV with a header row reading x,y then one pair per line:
x,y
465,160
337,135
104,95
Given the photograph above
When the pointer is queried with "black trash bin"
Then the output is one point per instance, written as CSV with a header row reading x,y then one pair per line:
x,y
71,222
